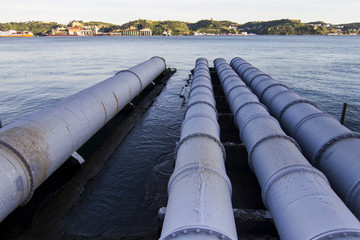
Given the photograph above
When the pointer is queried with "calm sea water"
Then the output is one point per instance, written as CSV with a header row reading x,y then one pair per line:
x,y
124,197
35,72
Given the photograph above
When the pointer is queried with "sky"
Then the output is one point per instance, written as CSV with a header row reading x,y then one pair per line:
x,y
122,11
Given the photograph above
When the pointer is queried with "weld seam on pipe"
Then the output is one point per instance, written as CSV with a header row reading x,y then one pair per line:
x,y
191,90
202,102
262,80
352,192
277,95
241,94
248,69
200,135
261,95
305,119
237,86
220,65
255,116
291,104
201,75
241,65
257,75
200,115
127,70
154,57
202,63
222,71
296,168
229,76
248,103
197,69
322,147
187,169
264,139
29,171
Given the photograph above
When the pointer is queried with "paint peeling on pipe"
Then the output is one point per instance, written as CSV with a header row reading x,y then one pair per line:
x,y
32,148
199,205
299,197
328,145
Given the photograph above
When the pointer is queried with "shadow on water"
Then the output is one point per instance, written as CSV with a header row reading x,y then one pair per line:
x,y
125,196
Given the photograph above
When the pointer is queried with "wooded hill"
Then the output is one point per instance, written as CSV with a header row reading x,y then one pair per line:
x,y
276,27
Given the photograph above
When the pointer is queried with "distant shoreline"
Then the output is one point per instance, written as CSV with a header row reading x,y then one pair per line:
x,y
211,27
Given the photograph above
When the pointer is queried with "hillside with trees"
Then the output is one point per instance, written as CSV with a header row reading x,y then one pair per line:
x,y
202,27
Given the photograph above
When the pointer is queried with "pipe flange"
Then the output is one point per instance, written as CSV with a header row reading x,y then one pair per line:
x,y
199,135
219,59
248,103
286,171
233,80
258,75
268,138
141,85
28,168
202,102
305,119
158,57
220,71
322,148
243,63
250,68
293,103
237,86
270,86
201,75
278,94
184,171
218,66
197,68
201,115
195,231
202,63
339,234
259,115
235,59
229,76
201,85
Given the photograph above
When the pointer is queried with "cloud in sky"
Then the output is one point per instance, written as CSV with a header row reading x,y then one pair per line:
x,y
121,11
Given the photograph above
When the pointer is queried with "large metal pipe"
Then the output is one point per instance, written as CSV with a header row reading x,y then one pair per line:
x,y
32,148
199,205
300,199
328,145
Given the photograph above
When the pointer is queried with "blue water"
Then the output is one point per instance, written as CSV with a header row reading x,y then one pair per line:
x,y
124,197
36,72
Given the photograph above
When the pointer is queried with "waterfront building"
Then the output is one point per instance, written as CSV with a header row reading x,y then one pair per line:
x,y
130,32
75,31
145,32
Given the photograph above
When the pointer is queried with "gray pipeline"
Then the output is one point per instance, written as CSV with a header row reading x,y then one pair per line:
x,y
32,148
199,204
328,145
299,197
